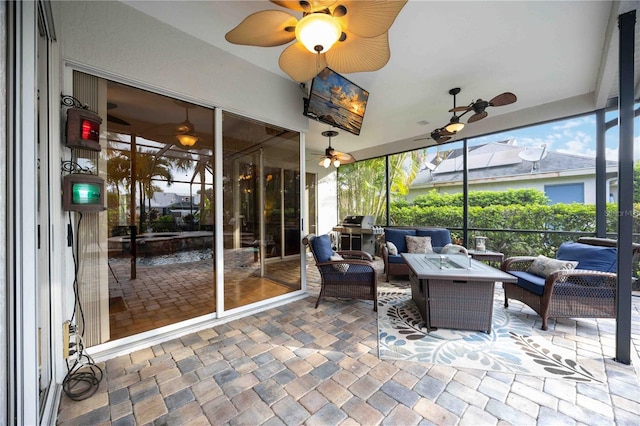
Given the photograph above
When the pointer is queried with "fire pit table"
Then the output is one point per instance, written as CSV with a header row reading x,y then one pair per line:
x,y
454,291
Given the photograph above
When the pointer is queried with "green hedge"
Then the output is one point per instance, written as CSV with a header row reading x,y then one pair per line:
x,y
525,209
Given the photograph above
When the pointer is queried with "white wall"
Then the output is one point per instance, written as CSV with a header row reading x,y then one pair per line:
x,y
327,203
503,185
120,42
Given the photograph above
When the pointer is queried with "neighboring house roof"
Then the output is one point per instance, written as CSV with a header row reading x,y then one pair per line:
x,y
497,160
170,199
183,205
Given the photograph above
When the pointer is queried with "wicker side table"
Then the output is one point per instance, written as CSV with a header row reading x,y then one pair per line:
x,y
488,256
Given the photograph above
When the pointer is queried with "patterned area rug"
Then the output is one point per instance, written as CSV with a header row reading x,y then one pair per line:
x,y
512,347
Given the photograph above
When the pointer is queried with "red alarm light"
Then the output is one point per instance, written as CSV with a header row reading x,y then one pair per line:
x,y
90,130
83,129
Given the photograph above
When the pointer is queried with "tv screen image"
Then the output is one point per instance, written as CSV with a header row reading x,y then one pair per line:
x,y
335,100
83,193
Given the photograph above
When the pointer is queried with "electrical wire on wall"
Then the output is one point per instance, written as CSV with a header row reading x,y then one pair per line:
x,y
83,375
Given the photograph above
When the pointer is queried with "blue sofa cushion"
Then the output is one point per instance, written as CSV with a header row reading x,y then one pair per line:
x,y
396,259
440,237
593,258
528,281
322,248
396,236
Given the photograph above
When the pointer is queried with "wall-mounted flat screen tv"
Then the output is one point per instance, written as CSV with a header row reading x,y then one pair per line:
x,y
337,101
83,193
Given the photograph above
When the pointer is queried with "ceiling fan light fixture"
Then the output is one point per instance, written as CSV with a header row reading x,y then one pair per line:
x,y
318,32
326,162
187,139
454,125
336,163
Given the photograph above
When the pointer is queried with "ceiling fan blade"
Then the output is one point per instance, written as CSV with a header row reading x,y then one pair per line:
x,y
304,6
460,109
477,116
300,64
265,29
505,98
368,18
357,54
344,157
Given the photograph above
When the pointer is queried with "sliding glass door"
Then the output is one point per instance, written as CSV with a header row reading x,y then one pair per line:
x,y
261,205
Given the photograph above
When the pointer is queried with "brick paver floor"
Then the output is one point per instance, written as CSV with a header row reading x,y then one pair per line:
x,y
295,365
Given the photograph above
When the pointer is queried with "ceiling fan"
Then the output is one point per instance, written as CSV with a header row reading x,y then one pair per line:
x,y
346,35
331,156
445,133
479,106
437,135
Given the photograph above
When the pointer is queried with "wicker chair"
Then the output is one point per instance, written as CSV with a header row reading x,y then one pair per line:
x,y
575,293
352,277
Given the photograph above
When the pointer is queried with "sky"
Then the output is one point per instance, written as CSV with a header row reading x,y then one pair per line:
x,y
572,136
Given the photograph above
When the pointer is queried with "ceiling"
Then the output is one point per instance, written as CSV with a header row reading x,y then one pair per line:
x,y
559,57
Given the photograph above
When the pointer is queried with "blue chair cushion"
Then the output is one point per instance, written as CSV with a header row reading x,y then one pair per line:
x,y
396,236
528,281
593,258
440,237
322,248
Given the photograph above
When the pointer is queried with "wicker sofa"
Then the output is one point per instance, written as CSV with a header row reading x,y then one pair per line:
x,y
586,291
395,264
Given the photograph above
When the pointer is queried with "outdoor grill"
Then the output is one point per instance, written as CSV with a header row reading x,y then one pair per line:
x,y
357,233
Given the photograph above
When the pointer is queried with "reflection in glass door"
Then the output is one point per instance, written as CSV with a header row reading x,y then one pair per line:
x,y
158,166
160,210
261,205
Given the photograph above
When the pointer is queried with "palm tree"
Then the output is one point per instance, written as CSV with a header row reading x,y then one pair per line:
x,y
149,168
368,177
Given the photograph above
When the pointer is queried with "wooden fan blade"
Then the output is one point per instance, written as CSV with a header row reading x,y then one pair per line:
x,y
357,54
505,98
442,139
344,157
368,18
460,109
303,6
300,64
265,29
477,116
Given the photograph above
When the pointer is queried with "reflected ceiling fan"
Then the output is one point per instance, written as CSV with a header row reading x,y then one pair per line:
x,y
478,107
331,156
346,35
114,119
182,134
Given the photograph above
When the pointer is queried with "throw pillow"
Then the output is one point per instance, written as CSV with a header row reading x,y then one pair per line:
x,y
340,267
418,244
393,250
544,266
